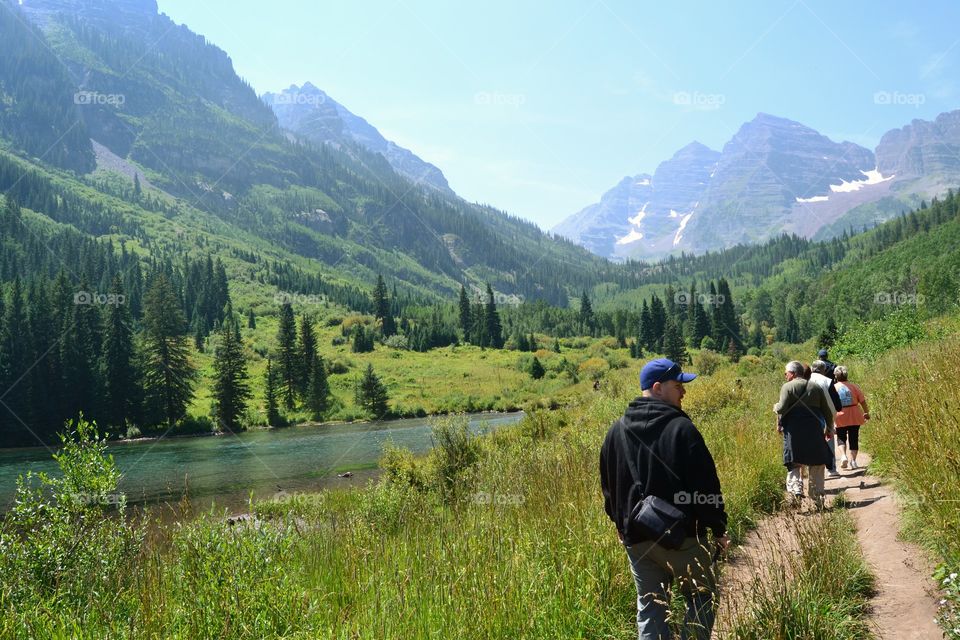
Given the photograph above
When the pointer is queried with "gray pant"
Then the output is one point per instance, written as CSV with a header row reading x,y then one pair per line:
x,y
654,569
814,481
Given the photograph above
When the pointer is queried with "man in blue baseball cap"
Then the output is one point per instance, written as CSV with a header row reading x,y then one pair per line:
x,y
655,450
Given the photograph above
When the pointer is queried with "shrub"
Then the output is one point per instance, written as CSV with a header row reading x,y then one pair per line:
x,y
339,366
593,368
455,451
616,361
707,362
400,466
195,425
397,342
897,329
56,542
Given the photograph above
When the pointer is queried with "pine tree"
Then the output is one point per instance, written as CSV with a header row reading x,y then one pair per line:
x,y
728,315
732,351
586,316
288,364
536,369
362,339
251,319
478,328
120,378
521,342
673,346
829,335
137,190
270,383
556,345
493,328
371,394
318,395
307,353
167,370
80,349
46,381
701,323
658,323
231,391
646,336
381,308
14,360
465,316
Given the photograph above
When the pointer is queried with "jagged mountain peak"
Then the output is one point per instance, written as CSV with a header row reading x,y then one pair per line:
x,y
774,175
312,114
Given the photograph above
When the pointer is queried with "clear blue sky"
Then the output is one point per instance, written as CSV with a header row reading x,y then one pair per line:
x,y
539,107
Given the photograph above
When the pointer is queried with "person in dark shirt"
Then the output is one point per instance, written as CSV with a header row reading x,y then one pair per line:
x,y
655,449
830,366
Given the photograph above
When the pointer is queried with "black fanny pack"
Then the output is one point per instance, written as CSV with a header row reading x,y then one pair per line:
x,y
653,518
658,520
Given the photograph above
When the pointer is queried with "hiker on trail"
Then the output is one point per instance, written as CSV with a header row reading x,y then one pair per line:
x,y
851,417
661,490
820,377
803,410
830,367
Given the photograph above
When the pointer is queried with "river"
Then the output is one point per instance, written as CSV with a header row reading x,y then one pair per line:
x,y
224,470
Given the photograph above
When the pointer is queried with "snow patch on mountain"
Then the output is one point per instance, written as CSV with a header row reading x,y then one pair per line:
x,y
872,177
637,219
633,236
683,223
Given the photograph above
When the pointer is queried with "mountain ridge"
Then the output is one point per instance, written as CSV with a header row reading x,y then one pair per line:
x,y
776,175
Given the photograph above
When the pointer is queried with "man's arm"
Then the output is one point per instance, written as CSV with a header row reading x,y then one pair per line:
x,y
702,479
605,484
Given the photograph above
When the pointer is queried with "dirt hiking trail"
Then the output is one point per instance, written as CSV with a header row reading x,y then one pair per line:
x,y
905,605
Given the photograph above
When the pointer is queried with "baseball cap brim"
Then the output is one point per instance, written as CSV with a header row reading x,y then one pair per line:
x,y
686,377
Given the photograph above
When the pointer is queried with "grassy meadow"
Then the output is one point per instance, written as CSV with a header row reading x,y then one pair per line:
x,y
455,379
499,536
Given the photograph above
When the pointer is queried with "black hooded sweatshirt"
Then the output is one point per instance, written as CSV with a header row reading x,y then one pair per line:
x,y
672,462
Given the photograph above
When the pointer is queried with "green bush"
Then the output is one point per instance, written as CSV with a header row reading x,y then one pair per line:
x,y
900,328
455,451
58,545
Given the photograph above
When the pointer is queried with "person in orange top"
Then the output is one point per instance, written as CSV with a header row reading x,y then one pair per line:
x,y
851,417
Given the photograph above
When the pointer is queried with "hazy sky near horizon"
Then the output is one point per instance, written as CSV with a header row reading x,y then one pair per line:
x,y
538,108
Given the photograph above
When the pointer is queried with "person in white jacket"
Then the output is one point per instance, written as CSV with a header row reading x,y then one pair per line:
x,y
819,376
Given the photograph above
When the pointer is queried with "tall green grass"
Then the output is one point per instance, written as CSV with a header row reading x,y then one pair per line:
x,y
914,437
503,536
810,582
